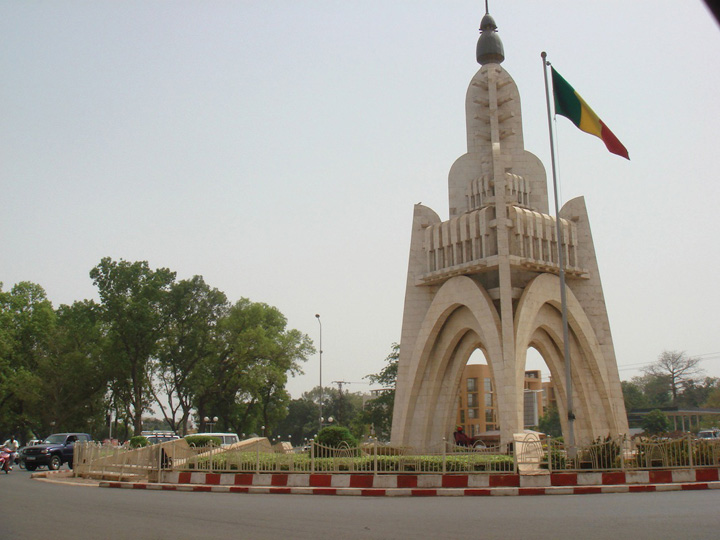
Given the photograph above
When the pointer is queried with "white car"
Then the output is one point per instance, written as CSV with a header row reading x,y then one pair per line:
x,y
226,438
155,437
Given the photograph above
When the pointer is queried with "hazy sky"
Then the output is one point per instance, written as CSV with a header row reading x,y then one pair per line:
x,y
277,148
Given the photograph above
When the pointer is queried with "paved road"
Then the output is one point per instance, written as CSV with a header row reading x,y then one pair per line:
x,y
36,509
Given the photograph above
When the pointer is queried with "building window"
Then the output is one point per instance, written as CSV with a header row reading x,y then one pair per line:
x,y
472,400
462,416
531,409
472,413
490,416
472,385
488,385
488,400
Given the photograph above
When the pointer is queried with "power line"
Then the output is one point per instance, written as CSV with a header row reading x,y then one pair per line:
x,y
702,357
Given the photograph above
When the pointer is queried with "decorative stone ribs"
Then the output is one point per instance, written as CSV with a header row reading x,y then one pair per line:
x,y
492,95
481,191
535,242
518,189
468,244
462,244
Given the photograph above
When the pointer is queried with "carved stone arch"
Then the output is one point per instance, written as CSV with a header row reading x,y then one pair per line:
x,y
448,370
585,389
460,319
538,308
547,340
552,354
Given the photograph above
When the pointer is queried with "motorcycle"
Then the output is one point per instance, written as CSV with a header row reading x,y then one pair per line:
x,y
5,459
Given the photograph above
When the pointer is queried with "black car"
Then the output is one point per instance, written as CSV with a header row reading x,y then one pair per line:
x,y
53,451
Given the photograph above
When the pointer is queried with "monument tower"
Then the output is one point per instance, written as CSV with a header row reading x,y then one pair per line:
x,y
487,278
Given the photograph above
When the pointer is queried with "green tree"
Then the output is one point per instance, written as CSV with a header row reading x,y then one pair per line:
x,y
335,436
696,393
73,374
655,388
133,306
549,423
244,385
378,412
27,321
655,422
190,339
633,396
345,408
677,367
713,399
301,422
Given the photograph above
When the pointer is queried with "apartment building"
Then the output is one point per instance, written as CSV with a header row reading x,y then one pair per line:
x,y
477,408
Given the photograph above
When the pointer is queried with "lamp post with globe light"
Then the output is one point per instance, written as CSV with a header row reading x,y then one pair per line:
x,y
210,422
317,315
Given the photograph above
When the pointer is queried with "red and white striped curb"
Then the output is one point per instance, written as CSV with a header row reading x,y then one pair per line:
x,y
435,484
400,492
438,481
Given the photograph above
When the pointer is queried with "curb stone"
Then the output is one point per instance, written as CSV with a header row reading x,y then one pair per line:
x,y
418,492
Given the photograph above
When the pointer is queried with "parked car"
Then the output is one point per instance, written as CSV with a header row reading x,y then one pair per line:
x,y
21,451
226,438
155,437
713,434
55,450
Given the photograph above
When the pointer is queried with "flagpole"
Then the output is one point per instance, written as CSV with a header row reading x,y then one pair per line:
x,y
561,262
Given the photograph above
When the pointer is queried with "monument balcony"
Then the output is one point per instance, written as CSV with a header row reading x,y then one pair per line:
x,y
468,245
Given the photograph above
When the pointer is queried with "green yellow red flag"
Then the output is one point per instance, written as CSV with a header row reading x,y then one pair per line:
x,y
569,104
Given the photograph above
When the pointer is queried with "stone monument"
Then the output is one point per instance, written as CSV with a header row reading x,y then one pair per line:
x,y
487,278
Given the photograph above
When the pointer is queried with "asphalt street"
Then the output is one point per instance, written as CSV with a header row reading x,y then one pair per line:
x,y
38,509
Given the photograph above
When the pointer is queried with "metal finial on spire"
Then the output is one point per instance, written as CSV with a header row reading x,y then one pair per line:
x,y
489,47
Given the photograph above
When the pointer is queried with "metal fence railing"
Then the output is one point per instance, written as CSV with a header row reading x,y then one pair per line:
x,y
642,453
372,458
124,462
527,453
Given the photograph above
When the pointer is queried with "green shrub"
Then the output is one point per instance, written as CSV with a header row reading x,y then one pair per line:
x,y
267,461
662,453
334,436
383,450
648,453
655,422
138,441
677,452
706,452
603,453
556,459
203,440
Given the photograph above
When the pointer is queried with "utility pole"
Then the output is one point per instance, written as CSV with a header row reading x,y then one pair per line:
x,y
320,421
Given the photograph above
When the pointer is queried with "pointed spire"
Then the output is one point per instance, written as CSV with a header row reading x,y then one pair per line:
x,y
489,47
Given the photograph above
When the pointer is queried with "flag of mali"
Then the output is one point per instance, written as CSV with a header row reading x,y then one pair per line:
x,y
569,104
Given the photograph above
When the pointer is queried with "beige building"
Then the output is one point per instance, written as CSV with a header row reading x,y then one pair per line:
x,y
477,405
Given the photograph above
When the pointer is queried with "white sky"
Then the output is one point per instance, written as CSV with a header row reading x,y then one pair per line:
x,y
277,148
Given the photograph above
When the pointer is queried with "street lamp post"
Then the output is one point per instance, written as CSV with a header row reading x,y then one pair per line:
x,y
317,315
210,422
